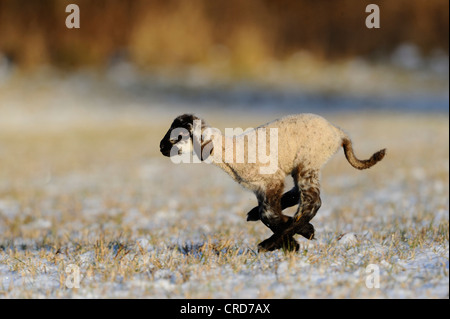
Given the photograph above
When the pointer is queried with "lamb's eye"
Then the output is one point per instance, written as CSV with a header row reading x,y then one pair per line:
x,y
176,140
178,135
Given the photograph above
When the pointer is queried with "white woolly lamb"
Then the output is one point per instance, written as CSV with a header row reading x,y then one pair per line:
x,y
306,142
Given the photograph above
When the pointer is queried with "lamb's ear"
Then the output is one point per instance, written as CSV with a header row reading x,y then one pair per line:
x,y
207,148
210,137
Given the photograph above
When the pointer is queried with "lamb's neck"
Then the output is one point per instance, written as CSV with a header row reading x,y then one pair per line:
x,y
217,156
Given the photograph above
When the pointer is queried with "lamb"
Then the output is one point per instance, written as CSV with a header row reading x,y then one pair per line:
x,y
307,142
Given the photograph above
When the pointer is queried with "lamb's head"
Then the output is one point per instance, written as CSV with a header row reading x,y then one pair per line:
x,y
189,134
178,139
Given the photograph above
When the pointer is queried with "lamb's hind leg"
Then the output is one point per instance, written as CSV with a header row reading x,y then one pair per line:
x,y
308,182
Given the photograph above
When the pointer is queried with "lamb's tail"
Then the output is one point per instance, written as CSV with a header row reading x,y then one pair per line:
x,y
360,164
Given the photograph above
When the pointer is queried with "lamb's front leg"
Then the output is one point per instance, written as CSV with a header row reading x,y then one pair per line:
x,y
270,213
288,199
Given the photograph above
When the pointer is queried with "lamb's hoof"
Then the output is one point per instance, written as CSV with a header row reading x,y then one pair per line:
x,y
253,215
287,243
267,245
307,231
290,244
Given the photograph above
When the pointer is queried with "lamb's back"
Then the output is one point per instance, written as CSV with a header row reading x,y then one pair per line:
x,y
306,139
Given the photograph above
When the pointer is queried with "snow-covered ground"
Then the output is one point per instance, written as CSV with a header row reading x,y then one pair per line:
x,y
89,208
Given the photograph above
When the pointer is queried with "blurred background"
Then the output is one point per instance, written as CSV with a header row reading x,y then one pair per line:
x,y
296,55
245,36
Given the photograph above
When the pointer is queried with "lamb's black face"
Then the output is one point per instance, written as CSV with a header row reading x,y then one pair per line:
x,y
180,130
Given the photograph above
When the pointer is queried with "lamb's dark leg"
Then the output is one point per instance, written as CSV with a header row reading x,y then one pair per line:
x,y
308,182
270,211
288,199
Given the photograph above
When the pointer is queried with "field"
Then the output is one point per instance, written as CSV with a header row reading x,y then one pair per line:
x,y
90,209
